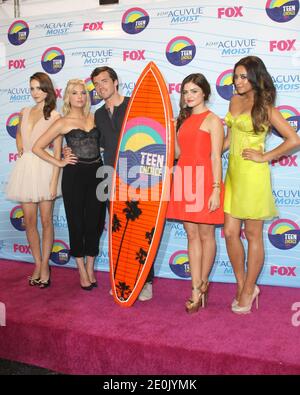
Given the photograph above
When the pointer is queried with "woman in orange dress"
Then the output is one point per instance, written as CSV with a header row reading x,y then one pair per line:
x,y
197,191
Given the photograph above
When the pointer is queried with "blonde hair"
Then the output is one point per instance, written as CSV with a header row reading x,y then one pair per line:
x,y
70,85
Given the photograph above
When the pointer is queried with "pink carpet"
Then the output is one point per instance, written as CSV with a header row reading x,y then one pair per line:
x,y
69,330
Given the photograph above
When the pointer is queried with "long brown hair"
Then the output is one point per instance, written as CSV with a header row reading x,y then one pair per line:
x,y
197,79
264,90
46,86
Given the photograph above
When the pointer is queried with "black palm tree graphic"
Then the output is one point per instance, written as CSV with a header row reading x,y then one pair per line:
x,y
132,212
149,235
141,256
116,225
124,290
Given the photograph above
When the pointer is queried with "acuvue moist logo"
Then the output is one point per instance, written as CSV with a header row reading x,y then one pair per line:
x,y
53,60
135,20
225,85
182,15
18,32
234,47
12,124
56,28
282,10
284,234
180,51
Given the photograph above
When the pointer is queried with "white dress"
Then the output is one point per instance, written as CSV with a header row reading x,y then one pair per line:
x,y
30,178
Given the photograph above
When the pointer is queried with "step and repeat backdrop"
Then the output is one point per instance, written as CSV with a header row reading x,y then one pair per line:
x,y
181,39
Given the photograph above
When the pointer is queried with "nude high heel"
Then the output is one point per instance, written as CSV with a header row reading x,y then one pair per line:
x,y
234,303
247,309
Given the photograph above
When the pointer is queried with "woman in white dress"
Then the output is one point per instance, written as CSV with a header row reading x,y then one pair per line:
x,y
34,182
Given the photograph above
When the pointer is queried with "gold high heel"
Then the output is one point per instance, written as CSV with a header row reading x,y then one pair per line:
x,y
247,309
191,306
204,294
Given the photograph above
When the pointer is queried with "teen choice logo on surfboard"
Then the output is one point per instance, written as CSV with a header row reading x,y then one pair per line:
x,y
180,51
282,10
18,32
135,20
142,153
53,60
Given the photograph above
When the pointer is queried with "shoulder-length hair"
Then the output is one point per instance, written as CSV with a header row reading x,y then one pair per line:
x,y
264,90
197,79
46,86
70,85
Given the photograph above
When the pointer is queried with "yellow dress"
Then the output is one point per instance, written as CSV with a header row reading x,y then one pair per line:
x,y
248,189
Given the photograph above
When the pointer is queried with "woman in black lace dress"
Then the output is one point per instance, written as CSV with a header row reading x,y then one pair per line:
x,y
85,213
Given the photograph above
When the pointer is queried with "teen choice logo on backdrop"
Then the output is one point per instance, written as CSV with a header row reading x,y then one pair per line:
x,y
284,234
282,10
12,124
180,51
225,85
60,253
53,60
291,115
18,32
135,20
179,264
17,218
95,99
142,152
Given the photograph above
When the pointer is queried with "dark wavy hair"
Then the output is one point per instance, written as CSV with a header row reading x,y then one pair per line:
x,y
47,87
197,79
111,72
263,87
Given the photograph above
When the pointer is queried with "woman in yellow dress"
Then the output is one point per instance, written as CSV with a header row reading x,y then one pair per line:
x,y
248,190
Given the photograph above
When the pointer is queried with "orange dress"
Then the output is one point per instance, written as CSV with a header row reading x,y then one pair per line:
x,y
193,177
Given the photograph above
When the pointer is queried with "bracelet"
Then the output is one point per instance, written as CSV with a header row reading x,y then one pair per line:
x,y
216,185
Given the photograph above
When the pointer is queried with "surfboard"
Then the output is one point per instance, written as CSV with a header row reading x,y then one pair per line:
x,y
140,186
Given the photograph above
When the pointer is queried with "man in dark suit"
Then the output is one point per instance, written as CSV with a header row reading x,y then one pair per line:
x,y
109,119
